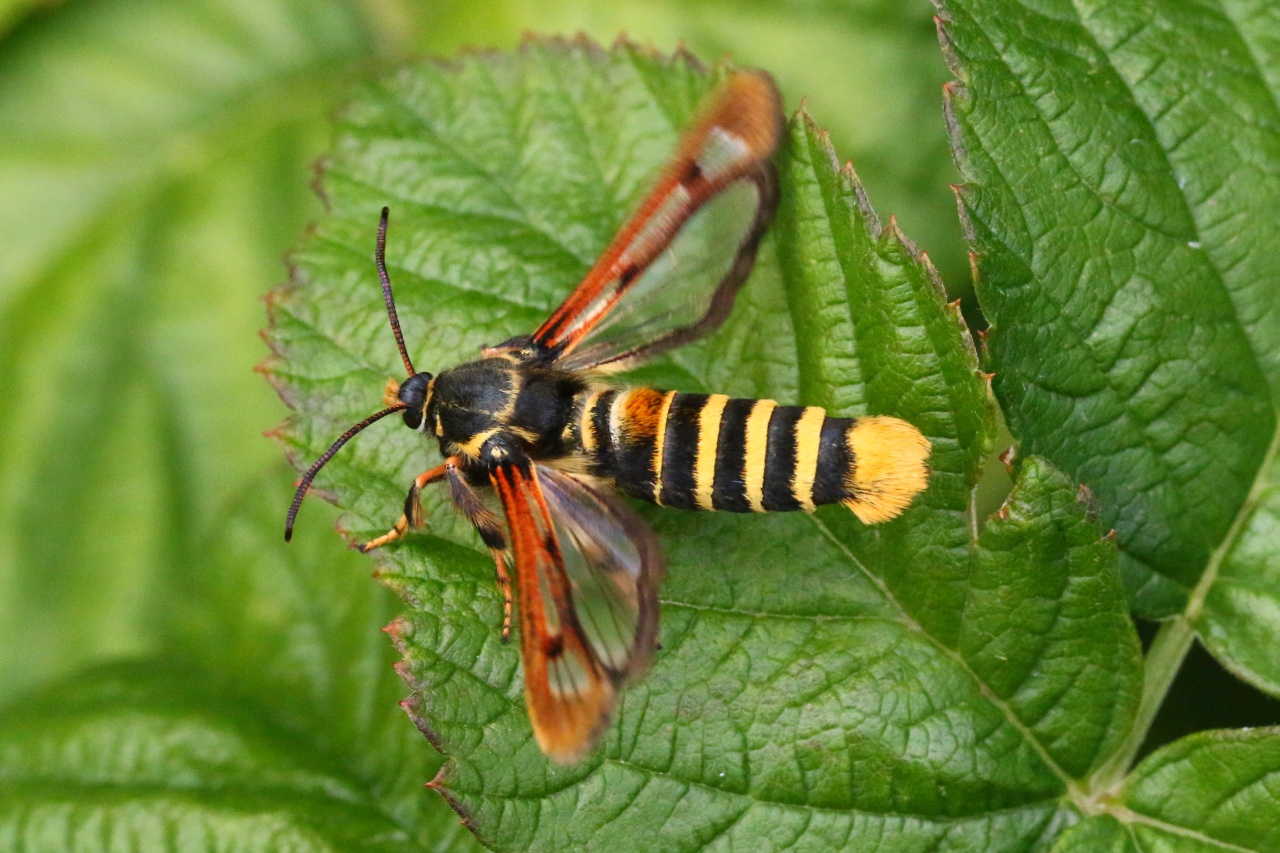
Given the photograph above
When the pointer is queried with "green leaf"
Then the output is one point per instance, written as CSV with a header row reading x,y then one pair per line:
x,y
1213,791
154,160
1240,622
818,682
296,629
1117,159
270,720
1221,784
149,758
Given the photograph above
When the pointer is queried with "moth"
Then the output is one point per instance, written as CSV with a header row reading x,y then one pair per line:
x,y
537,441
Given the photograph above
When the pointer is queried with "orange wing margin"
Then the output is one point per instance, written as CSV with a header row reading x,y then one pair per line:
x,y
732,140
569,694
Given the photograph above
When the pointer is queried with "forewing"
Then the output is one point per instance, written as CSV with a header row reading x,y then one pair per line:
x,y
671,273
588,602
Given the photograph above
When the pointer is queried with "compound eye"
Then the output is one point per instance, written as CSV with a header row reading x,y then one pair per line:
x,y
412,418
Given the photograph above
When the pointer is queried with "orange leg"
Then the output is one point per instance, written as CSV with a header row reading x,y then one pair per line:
x,y
412,517
491,533
470,505
504,586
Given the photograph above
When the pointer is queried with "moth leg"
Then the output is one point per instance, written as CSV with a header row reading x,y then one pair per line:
x,y
412,517
489,526
504,586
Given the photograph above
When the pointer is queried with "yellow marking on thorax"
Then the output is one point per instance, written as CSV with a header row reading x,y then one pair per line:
x,y
808,436
508,409
617,418
754,456
471,447
704,463
659,442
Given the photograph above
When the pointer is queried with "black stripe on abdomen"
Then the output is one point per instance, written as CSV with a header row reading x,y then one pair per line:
x,y
680,451
728,489
835,463
780,460
698,451
600,446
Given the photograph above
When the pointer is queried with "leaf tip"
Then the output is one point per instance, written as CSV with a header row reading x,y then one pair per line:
x,y
682,53
404,669
975,267
398,629
412,706
268,366
439,784
1007,457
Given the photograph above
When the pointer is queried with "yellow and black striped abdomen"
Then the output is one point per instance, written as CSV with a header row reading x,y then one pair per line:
x,y
710,452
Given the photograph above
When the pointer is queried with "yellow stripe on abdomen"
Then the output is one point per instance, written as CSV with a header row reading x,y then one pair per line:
x,y
754,458
659,443
704,466
587,423
808,435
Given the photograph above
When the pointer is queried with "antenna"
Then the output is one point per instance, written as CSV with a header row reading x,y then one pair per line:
x,y
325,457
380,258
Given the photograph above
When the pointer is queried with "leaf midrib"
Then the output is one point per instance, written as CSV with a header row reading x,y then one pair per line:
x,y
1261,483
802,808
1072,788
1129,818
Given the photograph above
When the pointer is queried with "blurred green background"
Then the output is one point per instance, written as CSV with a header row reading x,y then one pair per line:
x,y
156,162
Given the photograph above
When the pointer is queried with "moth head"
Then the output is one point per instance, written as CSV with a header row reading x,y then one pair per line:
x,y
414,393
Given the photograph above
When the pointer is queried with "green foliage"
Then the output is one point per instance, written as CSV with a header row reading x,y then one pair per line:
x,y
1153,152
172,770
1115,169
798,652
270,721
149,221
946,681
1210,791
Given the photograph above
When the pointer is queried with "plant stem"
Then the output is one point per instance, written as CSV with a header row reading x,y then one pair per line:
x,y
1172,643
1163,660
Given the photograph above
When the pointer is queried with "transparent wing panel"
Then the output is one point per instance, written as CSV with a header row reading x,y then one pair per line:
x,y
613,564
691,281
